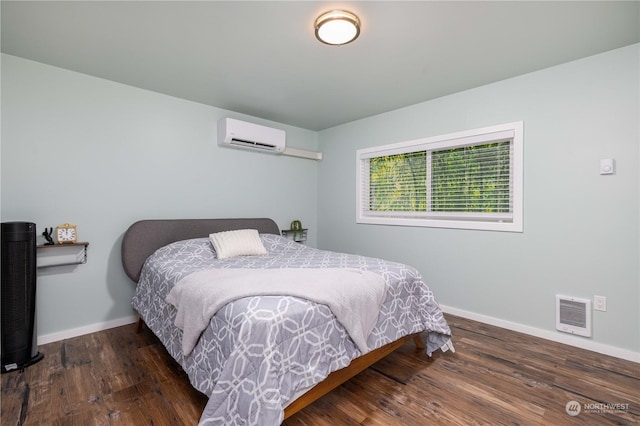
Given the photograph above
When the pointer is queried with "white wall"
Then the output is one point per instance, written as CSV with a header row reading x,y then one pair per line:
x,y
102,155
581,230
133,154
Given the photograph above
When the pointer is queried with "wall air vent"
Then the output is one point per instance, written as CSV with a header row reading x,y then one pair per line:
x,y
573,315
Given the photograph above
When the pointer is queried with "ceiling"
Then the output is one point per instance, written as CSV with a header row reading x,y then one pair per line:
x,y
261,58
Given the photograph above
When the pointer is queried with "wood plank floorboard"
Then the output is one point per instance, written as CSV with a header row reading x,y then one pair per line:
x,y
495,377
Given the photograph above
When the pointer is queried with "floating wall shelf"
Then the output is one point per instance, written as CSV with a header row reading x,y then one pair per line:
x,y
61,254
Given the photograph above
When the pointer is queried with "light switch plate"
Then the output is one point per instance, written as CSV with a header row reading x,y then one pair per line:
x,y
606,166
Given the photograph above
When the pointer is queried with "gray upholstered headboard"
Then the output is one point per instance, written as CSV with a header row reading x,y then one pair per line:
x,y
143,238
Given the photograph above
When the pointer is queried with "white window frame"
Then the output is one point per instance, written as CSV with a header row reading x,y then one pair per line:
x,y
491,222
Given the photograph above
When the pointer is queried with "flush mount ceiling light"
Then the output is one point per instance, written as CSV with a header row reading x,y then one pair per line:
x,y
337,27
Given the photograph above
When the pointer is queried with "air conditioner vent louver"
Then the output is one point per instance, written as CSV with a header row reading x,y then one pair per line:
x,y
251,144
240,134
573,315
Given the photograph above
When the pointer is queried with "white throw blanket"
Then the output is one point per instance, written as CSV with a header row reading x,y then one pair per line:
x,y
354,296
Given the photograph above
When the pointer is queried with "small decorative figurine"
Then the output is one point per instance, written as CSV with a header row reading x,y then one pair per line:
x,y
48,235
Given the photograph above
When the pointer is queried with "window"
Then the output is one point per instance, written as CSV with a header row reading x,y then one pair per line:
x,y
470,180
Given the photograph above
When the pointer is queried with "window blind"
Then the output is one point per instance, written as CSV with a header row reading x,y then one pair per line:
x,y
472,180
397,182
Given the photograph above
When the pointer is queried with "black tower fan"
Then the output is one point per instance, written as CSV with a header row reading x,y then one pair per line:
x,y
19,340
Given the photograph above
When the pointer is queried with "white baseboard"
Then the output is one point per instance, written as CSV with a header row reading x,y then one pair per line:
x,y
532,331
558,337
80,331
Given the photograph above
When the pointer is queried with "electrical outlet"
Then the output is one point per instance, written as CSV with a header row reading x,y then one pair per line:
x,y
600,303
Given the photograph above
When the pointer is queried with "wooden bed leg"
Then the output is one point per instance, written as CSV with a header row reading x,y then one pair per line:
x,y
140,325
418,341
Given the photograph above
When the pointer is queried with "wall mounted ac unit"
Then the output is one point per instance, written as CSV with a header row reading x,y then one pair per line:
x,y
573,315
240,134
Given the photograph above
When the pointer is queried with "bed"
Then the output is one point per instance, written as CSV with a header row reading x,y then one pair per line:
x,y
263,357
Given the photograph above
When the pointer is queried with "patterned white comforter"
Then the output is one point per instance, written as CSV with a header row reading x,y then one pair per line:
x,y
259,353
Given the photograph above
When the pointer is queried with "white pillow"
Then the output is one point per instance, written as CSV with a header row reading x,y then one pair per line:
x,y
244,242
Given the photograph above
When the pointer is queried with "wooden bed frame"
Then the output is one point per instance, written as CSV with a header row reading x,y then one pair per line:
x,y
144,237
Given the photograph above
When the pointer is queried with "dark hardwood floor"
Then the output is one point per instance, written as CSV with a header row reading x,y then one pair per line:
x,y
496,377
